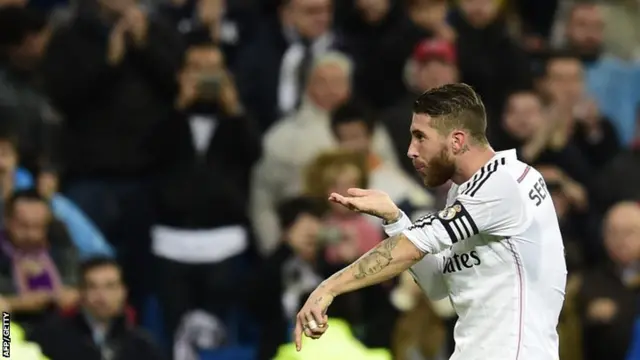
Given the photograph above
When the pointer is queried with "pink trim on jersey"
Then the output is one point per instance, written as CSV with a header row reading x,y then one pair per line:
x,y
524,174
516,259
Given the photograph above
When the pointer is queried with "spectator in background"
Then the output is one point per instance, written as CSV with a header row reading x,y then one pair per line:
x,y
229,24
111,71
489,60
348,235
338,171
432,64
425,19
363,23
353,126
623,171
207,149
608,294
272,72
614,84
37,260
294,141
531,129
24,35
577,116
86,237
100,329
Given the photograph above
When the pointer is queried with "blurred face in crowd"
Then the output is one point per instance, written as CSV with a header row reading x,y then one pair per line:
x,y
428,14
354,136
29,223
373,11
435,73
479,13
302,236
344,178
430,153
203,59
115,8
30,52
523,115
103,293
204,64
310,18
564,82
622,233
328,86
8,158
585,29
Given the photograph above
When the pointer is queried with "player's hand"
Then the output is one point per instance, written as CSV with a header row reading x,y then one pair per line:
x,y
312,318
372,202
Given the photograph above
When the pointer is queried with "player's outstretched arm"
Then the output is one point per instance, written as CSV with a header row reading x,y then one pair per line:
x,y
387,260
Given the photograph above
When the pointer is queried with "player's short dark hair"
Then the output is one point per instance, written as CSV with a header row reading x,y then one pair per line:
x,y
93,263
28,195
350,112
454,106
290,209
16,23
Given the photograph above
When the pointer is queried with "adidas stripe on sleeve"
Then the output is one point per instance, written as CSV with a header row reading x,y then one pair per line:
x,y
489,203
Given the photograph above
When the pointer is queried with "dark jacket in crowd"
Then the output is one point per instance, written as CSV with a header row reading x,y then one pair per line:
x,y
110,110
378,73
204,191
491,62
607,338
26,112
71,338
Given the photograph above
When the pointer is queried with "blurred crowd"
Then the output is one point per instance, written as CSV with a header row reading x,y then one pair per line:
x,y
165,164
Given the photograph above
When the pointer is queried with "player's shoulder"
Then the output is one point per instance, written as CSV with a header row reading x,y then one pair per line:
x,y
499,178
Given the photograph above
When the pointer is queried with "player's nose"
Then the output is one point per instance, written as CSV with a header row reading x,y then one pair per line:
x,y
412,153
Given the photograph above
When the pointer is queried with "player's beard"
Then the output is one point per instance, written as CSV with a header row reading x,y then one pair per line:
x,y
439,169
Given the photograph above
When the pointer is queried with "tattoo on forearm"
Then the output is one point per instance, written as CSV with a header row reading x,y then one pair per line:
x,y
377,259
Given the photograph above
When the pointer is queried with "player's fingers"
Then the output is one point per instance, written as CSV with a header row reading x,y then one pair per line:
x,y
358,192
318,316
335,197
317,332
298,333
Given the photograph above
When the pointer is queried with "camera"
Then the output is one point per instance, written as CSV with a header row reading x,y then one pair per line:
x,y
209,86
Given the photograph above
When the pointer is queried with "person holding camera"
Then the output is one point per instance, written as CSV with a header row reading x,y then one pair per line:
x,y
110,72
207,149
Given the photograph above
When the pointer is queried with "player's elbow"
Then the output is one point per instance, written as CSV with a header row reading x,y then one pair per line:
x,y
410,250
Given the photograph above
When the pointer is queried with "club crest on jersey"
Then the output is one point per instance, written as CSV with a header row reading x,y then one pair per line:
x,y
450,212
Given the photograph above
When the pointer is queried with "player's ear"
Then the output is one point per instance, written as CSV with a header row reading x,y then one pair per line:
x,y
458,139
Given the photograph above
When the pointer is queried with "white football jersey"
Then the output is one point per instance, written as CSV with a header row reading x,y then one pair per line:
x,y
497,252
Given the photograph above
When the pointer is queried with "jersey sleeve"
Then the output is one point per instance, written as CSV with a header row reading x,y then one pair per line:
x,y
427,273
496,208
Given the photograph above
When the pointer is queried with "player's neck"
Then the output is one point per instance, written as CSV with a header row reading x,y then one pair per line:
x,y
470,162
